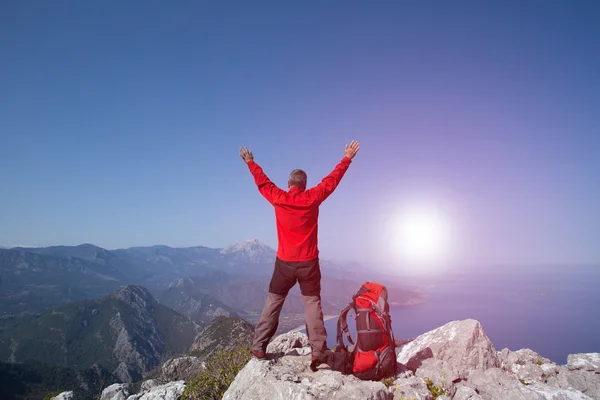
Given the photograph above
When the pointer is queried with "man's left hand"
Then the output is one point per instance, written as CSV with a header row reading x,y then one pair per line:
x,y
246,154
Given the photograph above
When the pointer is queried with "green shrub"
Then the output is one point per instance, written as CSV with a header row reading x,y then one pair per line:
x,y
435,391
221,368
388,381
523,382
51,395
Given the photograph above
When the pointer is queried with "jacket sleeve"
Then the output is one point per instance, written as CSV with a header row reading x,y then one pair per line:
x,y
326,187
267,188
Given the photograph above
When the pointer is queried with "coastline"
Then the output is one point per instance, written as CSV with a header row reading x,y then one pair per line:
x,y
411,302
325,318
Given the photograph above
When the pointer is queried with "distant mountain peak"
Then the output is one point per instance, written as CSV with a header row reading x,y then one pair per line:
x,y
138,295
253,251
181,282
88,246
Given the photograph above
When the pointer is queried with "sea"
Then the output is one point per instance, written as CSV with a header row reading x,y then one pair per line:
x,y
554,310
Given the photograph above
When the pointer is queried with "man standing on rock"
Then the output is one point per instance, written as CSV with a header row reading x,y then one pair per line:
x,y
297,213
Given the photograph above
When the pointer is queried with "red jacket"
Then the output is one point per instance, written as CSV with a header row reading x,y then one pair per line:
x,y
297,211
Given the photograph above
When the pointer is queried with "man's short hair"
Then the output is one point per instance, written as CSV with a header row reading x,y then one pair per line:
x,y
298,178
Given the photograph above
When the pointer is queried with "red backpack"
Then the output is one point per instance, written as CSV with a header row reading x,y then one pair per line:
x,y
374,355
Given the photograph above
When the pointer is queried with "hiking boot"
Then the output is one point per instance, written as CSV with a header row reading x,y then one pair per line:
x,y
260,355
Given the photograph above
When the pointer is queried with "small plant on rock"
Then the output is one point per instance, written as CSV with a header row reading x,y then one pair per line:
x,y
51,395
388,381
523,382
221,369
435,391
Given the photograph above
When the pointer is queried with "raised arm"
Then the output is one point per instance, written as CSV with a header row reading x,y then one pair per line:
x,y
326,187
268,189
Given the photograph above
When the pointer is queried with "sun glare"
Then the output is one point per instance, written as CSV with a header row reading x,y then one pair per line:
x,y
423,236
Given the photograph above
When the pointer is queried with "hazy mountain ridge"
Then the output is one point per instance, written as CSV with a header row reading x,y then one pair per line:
x,y
235,276
32,281
198,306
127,332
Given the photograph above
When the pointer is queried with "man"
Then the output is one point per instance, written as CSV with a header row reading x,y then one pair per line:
x,y
296,212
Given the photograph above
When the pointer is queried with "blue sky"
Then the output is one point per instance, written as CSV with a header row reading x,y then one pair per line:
x,y
121,122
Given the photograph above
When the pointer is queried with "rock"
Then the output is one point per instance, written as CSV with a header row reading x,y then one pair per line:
x,y
63,396
151,390
456,361
528,373
462,345
116,391
466,393
410,388
495,383
288,342
440,374
583,381
148,385
447,354
289,377
551,393
584,362
182,368
508,358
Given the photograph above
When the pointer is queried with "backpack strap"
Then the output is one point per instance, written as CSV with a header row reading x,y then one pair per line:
x,y
342,326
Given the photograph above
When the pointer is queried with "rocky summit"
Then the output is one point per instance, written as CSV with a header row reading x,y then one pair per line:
x,y
455,361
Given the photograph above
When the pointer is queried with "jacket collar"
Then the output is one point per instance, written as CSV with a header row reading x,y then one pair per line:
x,y
295,189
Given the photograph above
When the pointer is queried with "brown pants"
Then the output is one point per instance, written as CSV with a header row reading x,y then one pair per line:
x,y
285,276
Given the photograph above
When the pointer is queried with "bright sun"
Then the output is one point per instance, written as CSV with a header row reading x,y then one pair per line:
x,y
422,235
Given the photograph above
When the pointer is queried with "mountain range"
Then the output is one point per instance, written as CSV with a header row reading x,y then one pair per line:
x,y
126,336
90,315
198,282
128,332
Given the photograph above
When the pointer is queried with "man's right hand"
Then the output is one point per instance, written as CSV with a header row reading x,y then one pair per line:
x,y
246,154
352,149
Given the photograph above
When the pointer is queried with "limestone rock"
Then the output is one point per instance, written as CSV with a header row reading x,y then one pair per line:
x,y
584,362
289,377
586,382
410,388
116,391
496,383
456,361
63,396
182,368
447,354
288,342
466,393
520,357
528,373
462,345
152,390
